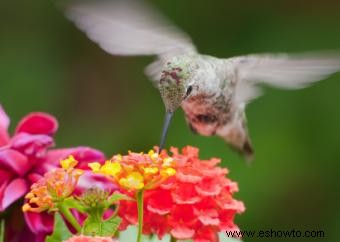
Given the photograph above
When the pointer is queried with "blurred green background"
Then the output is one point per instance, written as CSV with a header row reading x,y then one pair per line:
x,y
106,102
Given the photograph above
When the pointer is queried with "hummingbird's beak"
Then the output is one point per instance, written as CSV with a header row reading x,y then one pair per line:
x,y
167,119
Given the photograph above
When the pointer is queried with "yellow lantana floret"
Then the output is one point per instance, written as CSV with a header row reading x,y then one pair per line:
x,y
150,170
132,181
108,169
95,166
111,168
168,172
168,161
153,155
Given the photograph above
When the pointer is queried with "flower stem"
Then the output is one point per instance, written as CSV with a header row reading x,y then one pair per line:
x,y
140,214
173,239
2,230
69,217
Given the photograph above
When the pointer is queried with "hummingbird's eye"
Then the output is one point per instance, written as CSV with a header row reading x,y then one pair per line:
x,y
189,90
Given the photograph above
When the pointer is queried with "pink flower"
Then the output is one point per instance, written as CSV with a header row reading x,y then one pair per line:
x,y
22,153
25,158
82,238
196,203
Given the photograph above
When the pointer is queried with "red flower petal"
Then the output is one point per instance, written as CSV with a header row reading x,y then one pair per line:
x,y
156,224
38,123
183,214
185,194
11,192
190,151
209,187
159,201
206,234
15,161
187,174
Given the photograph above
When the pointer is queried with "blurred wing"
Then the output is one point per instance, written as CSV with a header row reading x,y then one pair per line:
x,y
127,27
282,71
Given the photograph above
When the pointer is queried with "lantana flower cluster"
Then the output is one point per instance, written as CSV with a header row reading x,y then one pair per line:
x,y
196,203
54,187
137,171
24,158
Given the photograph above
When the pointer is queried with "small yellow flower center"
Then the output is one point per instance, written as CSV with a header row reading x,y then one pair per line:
x,y
168,172
108,169
133,181
150,170
68,163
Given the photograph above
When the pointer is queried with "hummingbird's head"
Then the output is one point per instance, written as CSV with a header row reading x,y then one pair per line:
x,y
175,84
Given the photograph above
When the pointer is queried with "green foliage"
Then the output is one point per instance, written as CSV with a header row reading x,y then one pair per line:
x,y
94,226
60,230
73,203
117,197
95,202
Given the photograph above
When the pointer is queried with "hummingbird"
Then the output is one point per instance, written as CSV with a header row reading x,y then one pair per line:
x,y
213,92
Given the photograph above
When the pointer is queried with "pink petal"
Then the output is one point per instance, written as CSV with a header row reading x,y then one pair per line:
x,y
82,154
208,220
182,232
38,123
34,177
4,123
13,191
5,176
15,161
88,180
32,145
4,119
235,205
39,223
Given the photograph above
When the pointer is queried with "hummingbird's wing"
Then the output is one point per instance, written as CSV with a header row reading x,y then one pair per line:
x,y
281,70
129,27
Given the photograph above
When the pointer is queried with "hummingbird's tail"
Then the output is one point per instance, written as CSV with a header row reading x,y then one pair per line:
x,y
236,135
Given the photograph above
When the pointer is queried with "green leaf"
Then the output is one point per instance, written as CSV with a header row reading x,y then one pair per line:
x,y
118,196
94,226
110,226
60,230
73,203
2,230
91,226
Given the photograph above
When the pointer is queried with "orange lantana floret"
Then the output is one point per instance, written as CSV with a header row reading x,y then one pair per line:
x,y
55,186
